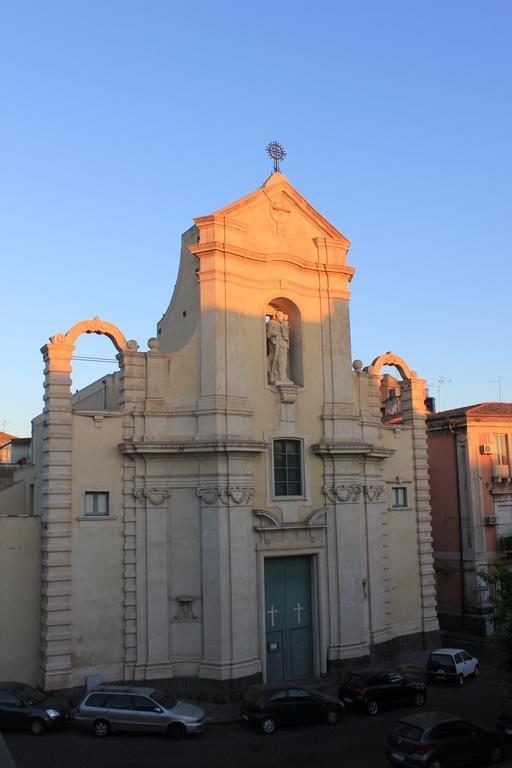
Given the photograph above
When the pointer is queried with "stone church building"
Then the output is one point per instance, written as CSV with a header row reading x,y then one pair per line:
x,y
229,506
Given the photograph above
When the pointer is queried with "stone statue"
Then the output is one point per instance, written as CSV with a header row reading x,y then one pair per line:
x,y
278,343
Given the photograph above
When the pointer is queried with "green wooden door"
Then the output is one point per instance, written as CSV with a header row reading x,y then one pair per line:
x,y
288,619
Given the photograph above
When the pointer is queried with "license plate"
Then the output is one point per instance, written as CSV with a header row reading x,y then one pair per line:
x,y
440,671
397,757
349,701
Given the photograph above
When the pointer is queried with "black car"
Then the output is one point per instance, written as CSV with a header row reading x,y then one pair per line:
x,y
268,706
504,719
372,690
438,740
25,708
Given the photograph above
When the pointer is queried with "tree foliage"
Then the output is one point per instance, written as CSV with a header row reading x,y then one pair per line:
x,y
500,582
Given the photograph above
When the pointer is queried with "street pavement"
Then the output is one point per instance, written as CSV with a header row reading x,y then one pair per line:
x,y
228,743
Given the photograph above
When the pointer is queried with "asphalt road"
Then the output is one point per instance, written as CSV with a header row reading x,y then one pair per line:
x,y
357,743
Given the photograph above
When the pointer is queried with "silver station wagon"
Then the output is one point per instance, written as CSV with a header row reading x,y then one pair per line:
x,y
110,708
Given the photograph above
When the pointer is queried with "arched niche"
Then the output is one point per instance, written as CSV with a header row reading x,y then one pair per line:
x,y
295,356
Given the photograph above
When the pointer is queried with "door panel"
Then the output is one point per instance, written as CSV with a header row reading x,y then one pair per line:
x,y
288,618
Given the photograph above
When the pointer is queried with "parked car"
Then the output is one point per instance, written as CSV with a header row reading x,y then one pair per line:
x,y
25,708
451,664
504,719
267,706
136,708
438,740
372,690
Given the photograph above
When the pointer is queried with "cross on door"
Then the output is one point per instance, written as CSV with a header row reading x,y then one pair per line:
x,y
272,613
299,608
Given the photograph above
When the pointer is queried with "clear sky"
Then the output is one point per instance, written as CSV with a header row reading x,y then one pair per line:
x,y
121,120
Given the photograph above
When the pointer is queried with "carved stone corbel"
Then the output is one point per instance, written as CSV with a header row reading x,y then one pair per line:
x,y
373,492
344,493
155,496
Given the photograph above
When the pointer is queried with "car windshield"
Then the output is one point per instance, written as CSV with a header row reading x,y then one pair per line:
x,y
354,679
407,731
441,661
166,700
30,695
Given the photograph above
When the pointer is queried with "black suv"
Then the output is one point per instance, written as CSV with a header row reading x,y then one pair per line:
x,y
435,739
504,720
267,706
371,690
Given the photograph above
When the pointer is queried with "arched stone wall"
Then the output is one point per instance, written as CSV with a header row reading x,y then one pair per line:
x,y
389,358
56,494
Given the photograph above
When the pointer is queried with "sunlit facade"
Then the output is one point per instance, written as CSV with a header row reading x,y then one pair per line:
x,y
229,507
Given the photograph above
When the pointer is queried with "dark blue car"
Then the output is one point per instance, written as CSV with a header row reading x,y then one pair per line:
x,y
25,708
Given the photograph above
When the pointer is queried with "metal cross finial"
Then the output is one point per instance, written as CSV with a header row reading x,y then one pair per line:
x,y
277,153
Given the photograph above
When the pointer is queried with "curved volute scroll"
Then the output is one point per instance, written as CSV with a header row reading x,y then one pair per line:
x,y
96,325
389,358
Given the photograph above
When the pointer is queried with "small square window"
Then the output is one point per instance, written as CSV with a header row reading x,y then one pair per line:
x,y
399,496
96,504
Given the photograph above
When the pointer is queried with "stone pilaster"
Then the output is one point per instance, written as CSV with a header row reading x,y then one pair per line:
x,y
55,670
414,413
132,395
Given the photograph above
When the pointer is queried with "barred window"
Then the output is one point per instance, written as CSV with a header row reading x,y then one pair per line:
x,y
288,468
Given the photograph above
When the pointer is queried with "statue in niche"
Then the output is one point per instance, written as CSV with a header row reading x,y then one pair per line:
x,y
278,344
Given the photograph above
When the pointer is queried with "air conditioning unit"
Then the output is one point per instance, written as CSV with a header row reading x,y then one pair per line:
x,y
491,520
486,448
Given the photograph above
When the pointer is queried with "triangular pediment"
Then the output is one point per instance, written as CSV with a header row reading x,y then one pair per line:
x,y
275,219
283,197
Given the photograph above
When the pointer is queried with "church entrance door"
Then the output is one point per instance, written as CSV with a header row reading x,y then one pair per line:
x,y
288,618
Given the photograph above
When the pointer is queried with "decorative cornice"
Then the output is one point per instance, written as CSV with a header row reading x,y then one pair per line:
x,y
345,448
155,496
233,494
166,447
344,493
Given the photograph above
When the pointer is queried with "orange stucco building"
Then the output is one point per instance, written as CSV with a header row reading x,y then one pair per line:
x,y
471,497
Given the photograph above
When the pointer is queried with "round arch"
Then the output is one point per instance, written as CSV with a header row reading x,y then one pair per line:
x,y
96,325
389,358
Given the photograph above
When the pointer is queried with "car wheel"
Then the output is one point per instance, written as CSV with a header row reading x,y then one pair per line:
x,y
460,680
36,727
419,699
476,671
496,755
372,707
332,717
101,728
268,725
176,731
435,763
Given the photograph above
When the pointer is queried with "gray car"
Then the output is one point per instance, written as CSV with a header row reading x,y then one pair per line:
x,y
135,708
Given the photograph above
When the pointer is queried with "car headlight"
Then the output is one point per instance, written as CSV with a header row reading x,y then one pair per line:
x,y
52,713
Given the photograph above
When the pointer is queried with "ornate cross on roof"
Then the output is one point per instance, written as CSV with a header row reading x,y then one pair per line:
x,y
277,153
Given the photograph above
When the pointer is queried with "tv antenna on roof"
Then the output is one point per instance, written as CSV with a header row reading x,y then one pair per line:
x,y
498,382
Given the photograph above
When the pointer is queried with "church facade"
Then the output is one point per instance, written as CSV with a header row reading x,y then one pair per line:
x,y
230,507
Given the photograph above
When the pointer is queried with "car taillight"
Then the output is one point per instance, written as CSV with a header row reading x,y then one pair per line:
x,y
361,692
420,749
261,700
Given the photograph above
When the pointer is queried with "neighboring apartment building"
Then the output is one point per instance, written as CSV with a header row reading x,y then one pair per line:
x,y
471,486
229,507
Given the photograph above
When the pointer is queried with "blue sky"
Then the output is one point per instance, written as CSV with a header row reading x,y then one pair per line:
x,y
120,121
